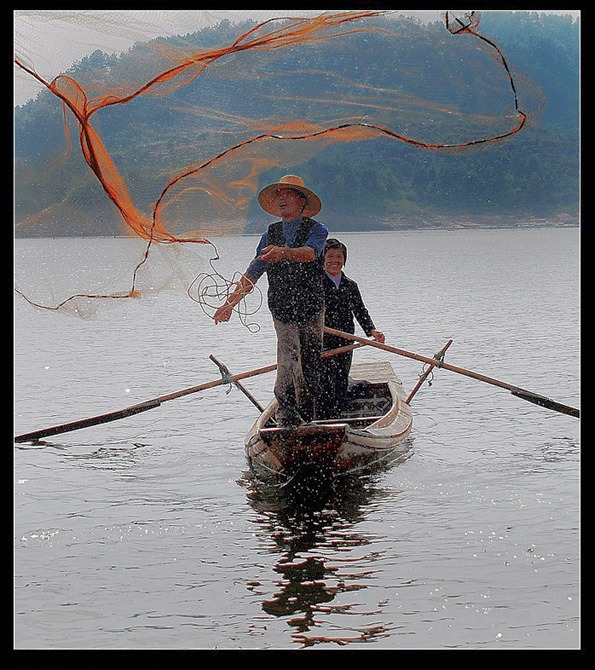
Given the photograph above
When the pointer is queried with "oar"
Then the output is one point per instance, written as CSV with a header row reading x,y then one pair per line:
x,y
327,353
135,409
155,402
535,398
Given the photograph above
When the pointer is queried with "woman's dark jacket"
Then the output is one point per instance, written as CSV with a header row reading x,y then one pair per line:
x,y
341,306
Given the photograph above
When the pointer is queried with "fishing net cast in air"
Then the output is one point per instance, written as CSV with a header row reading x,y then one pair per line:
x,y
177,136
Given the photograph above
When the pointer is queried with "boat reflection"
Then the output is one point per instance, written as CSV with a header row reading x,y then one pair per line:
x,y
321,556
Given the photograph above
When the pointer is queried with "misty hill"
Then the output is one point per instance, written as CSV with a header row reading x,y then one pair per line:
x,y
534,175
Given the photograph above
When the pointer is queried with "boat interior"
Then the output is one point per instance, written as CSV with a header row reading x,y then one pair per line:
x,y
366,403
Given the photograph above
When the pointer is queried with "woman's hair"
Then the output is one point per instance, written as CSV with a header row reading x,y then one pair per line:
x,y
332,243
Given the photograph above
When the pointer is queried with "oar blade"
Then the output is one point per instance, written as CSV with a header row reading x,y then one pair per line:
x,y
542,401
36,435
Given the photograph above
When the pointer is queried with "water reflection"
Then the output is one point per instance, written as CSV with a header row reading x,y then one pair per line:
x,y
321,556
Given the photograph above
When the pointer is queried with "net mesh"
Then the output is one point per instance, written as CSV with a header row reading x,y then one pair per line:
x,y
226,118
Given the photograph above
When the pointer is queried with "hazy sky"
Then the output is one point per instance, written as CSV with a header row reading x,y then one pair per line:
x,y
52,40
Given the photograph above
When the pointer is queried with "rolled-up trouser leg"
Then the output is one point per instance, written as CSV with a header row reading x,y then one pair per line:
x,y
299,347
310,334
288,360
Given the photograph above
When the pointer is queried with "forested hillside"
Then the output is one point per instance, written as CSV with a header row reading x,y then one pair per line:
x,y
365,185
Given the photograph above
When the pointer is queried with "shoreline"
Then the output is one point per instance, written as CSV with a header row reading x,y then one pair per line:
x,y
409,223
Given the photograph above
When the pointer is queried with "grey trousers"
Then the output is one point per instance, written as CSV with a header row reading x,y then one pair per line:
x,y
299,348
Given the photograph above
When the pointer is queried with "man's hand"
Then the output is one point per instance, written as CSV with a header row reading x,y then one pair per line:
x,y
274,254
223,313
243,287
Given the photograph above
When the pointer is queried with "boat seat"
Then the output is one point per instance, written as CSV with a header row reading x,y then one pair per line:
x,y
349,419
364,420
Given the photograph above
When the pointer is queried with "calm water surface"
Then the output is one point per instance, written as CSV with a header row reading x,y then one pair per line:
x,y
148,533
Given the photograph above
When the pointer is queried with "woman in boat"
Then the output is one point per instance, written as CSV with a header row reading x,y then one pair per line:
x,y
343,302
291,253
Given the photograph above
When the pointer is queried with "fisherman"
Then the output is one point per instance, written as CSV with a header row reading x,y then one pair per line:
x,y
291,253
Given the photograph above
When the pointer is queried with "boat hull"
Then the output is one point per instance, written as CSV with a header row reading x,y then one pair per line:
x,y
373,431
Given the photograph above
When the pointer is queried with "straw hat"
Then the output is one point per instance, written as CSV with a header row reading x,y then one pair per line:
x,y
268,201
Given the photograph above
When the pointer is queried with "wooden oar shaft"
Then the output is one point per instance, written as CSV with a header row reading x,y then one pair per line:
x,y
216,382
327,353
424,359
521,393
135,409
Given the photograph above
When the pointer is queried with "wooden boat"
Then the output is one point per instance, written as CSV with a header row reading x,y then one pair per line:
x,y
372,429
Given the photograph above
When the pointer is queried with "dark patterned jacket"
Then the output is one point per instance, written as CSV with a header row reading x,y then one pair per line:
x,y
341,306
295,289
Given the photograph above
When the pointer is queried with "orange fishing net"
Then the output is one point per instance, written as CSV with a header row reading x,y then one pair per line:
x,y
239,114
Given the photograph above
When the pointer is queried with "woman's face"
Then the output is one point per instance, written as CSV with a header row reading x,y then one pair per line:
x,y
333,261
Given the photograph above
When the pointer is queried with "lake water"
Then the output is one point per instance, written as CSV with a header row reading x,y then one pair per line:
x,y
148,533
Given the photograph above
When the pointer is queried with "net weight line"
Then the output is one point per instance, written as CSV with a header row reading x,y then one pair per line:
x,y
211,289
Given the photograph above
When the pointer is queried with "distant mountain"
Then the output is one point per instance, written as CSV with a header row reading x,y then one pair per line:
x,y
367,185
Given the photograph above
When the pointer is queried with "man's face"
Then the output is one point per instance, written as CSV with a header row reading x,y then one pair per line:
x,y
290,203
